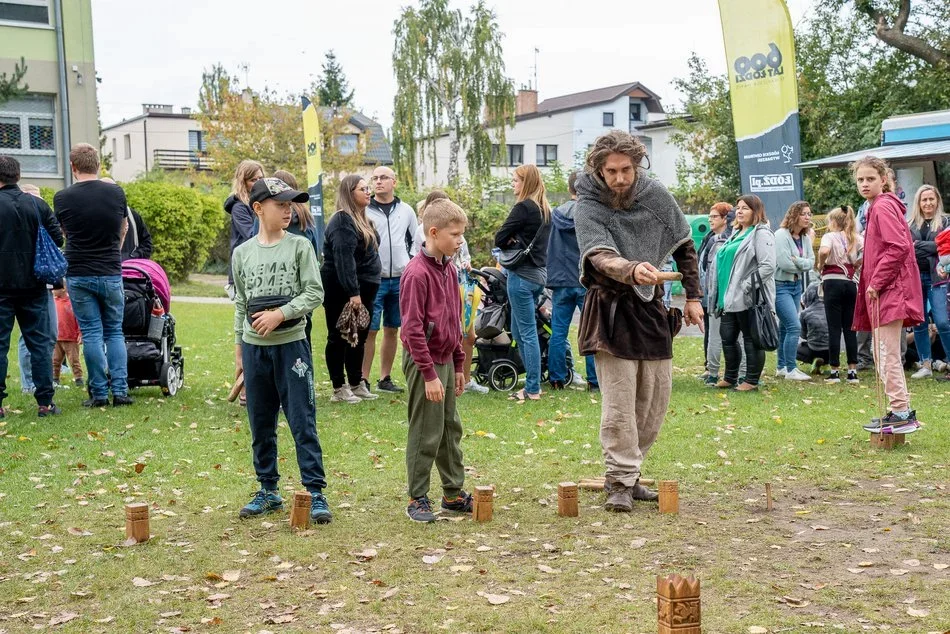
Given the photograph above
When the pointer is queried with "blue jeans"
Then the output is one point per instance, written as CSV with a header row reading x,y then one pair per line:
x,y
523,297
23,352
563,303
99,305
32,314
788,297
936,298
386,306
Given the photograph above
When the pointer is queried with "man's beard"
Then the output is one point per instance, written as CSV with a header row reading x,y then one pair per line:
x,y
621,200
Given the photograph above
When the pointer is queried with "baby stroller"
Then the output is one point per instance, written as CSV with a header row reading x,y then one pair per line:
x,y
497,361
154,357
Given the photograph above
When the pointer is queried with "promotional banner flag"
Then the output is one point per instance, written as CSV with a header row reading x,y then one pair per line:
x,y
763,89
311,134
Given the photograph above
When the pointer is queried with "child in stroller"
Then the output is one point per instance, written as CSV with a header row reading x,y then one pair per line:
x,y
497,360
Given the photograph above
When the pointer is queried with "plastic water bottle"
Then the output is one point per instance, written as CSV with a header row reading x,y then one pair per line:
x,y
156,323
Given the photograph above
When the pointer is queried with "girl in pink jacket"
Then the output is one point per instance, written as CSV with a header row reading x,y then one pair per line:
x,y
889,295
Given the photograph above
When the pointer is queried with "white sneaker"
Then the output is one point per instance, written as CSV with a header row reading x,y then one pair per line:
x,y
344,395
361,392
922,373
796,375
472,386
579,380
939,366
780,373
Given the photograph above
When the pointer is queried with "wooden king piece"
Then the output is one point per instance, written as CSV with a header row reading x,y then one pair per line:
x,y
669,496
567,499
678,605
300,514
136,522
482,503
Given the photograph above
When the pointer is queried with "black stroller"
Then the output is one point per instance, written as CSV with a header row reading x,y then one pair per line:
x,y
154,358
497,361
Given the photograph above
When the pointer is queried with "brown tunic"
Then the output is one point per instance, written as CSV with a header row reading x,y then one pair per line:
x,y
616,321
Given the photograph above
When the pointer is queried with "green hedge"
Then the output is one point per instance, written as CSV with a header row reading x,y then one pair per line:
x,y
183,222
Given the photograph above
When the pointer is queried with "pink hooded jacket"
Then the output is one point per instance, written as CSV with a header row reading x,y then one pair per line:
x,y
890,267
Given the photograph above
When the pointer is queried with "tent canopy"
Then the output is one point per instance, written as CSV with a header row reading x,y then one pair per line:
x,y
903,152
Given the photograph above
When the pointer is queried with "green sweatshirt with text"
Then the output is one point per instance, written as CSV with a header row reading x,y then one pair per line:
x,y
287,268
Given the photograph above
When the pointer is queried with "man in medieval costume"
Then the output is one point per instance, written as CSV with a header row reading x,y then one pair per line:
x,y
627,226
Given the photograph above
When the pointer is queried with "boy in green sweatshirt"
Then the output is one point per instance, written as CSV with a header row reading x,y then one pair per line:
x,y
277,282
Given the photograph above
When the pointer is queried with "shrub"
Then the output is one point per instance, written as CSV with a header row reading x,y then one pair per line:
x,y
183,222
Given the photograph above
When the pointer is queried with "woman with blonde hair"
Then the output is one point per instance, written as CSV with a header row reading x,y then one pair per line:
x,y
839,258
351,275
927,219
523,239
889,291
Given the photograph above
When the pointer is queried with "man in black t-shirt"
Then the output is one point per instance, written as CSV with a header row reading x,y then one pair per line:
x,y
94,217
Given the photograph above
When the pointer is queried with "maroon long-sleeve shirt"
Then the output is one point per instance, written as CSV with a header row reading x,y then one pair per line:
x,y
431,308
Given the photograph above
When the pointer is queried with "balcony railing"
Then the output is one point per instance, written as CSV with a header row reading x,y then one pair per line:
x,y
182,160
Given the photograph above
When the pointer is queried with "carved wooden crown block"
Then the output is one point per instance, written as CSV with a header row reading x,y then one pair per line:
x,y
669,496
482,503
678,605
567,499
300,514
886,441
136,522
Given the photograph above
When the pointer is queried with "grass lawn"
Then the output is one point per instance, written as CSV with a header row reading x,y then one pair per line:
x,y
858,539
197,288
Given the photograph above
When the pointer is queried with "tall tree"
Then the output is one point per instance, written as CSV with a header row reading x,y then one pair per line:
x,y
10,84
332,87
215,88
450,79
914,32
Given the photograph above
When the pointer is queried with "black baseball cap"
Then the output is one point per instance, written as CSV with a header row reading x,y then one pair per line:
x,y
277,189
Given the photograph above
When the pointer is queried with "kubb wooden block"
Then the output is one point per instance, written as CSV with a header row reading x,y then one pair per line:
x,y
136,522
886,441
300,513
669,496
678,605
482,503
567,499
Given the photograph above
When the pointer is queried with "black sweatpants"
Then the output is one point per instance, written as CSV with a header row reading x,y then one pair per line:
x,y
840,298
275,377
344,362
730,326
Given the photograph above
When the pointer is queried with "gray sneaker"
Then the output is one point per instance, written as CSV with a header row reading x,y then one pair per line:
x,y
619,498
344,395
362,392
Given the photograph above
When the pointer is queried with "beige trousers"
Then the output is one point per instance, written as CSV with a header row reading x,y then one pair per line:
x,y
889,366
634,399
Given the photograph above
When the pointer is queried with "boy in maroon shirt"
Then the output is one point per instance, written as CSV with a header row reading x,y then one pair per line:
x,y
430,305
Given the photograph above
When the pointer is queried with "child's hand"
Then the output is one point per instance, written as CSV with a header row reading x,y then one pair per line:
x,y
266,321
238,360
459,383
435,391
941,272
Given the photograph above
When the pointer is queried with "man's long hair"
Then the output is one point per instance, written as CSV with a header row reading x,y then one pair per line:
x,y
614,142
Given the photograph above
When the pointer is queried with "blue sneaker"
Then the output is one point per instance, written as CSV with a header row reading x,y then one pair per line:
x,y
420,510
320,510
263,502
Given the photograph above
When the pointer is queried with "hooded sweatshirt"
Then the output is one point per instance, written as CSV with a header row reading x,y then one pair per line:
x,y
397,234
814,321
563,253
242,225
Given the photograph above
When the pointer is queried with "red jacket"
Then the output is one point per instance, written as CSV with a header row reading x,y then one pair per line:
x,y
430,306
890,267
68,326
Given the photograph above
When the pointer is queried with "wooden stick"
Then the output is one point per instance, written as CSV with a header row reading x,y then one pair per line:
x,y
668,276
597,484
300,515
236,388
768,496
567,499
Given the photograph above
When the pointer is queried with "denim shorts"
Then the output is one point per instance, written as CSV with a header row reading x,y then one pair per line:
x,y
386,306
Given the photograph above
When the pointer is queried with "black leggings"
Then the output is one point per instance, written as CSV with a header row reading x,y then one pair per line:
x,y
344,362
840,297
730,326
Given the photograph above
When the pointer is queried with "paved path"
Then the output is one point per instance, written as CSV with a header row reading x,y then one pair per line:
x,y
200,300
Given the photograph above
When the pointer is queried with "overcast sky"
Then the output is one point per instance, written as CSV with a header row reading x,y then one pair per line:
x,y
156,54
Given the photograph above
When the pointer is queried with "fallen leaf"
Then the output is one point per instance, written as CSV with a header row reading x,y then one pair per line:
x,y
918,613
390,593
431,559
139,467
139,582
280,618
913,563
168,615
64,617
78,532
460,568
364,555
755,629
483,549
217,597
548,569
231,575
899,572
865,564
941,566
819,527
495,599
856,571
638,543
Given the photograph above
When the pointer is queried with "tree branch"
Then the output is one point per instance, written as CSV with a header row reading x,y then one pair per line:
x,y
895,35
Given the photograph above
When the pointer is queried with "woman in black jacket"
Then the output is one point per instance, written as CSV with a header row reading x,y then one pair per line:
x,y
528,224
351,275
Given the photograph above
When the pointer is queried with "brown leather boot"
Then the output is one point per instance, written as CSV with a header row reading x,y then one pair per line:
x,y
619,497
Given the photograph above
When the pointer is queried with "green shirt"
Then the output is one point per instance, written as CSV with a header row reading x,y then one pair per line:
x,y
289,268
724,260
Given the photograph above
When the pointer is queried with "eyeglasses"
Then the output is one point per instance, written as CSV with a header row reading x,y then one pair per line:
x,y
365,189
714,216
381,178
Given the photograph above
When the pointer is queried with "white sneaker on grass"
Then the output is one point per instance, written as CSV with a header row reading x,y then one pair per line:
x,y
939,366
474,387
923,373
796,375
344,395
780,373
578,380
363,393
